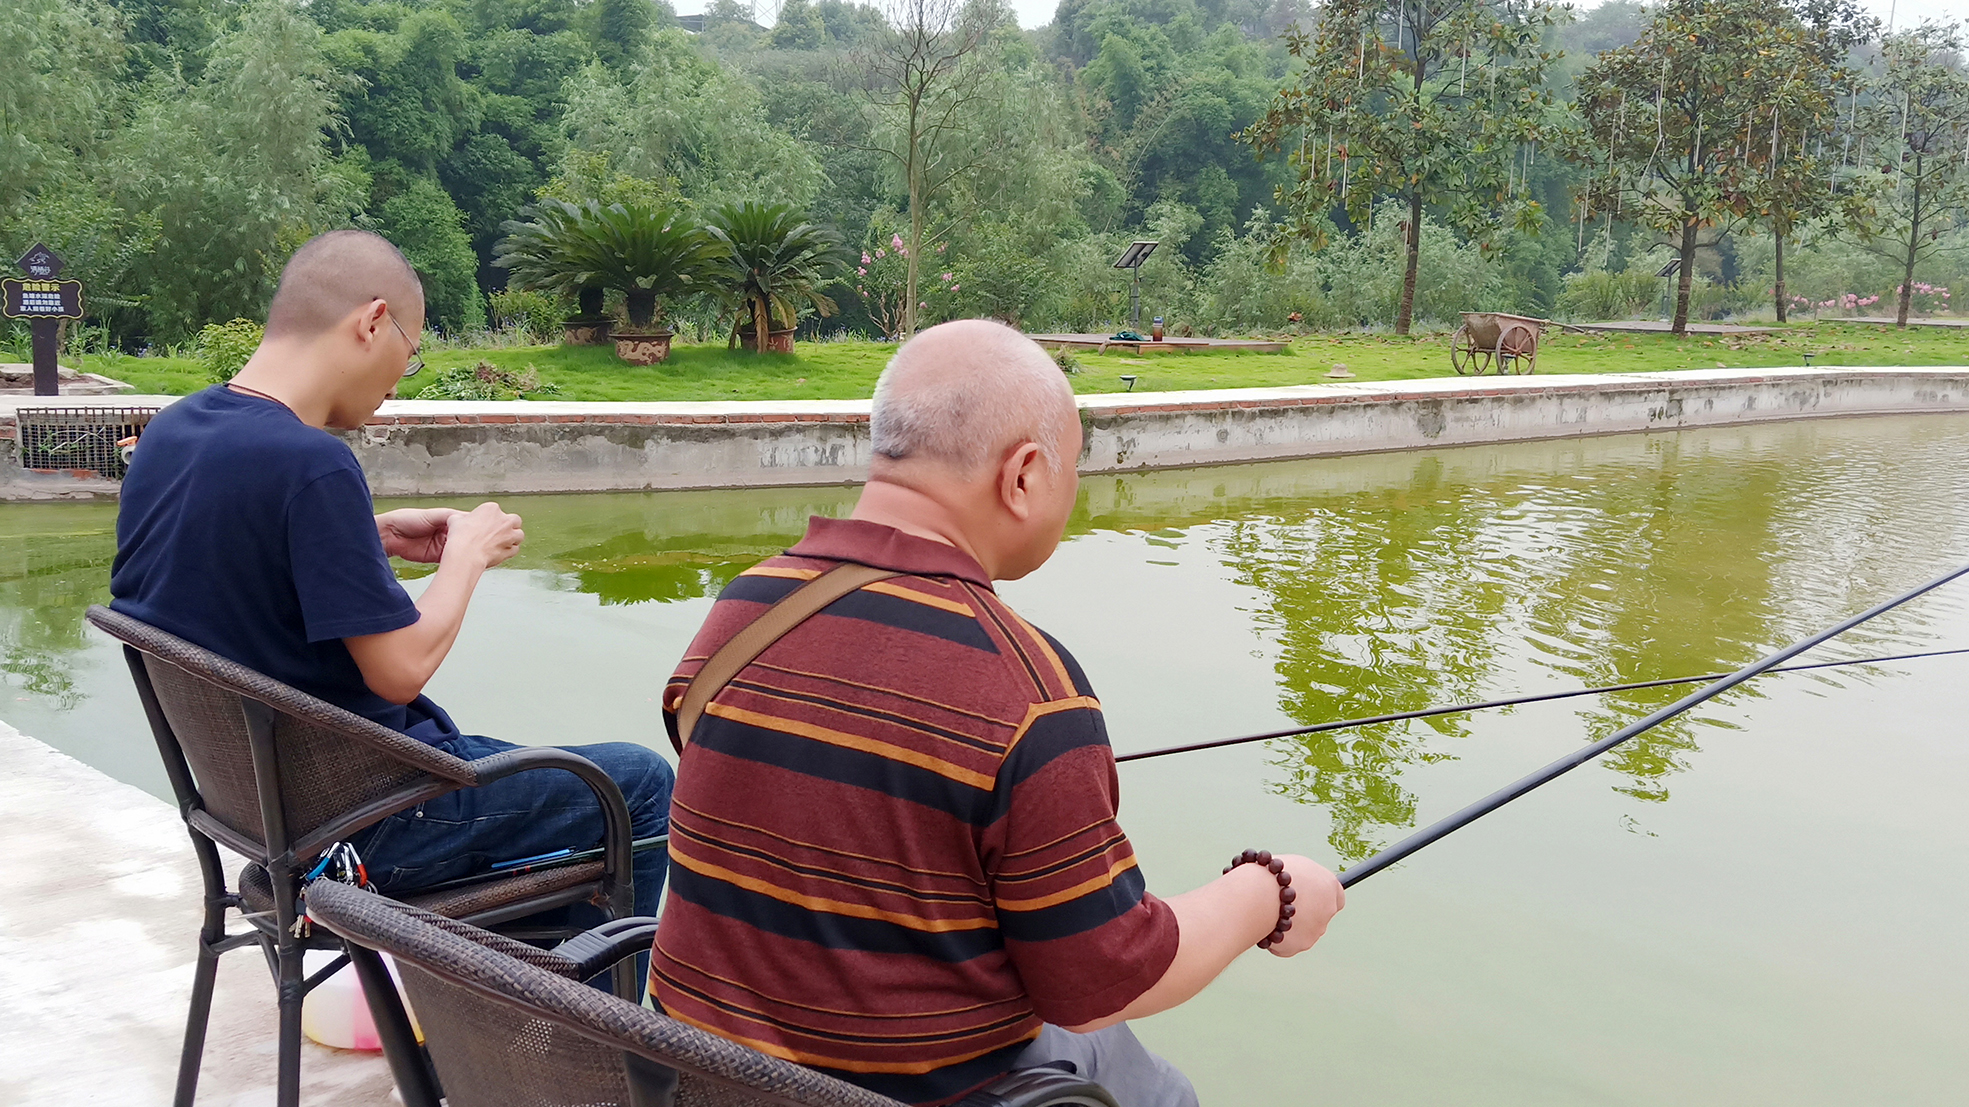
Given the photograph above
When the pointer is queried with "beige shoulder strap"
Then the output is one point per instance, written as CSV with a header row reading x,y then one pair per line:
x,y
740,649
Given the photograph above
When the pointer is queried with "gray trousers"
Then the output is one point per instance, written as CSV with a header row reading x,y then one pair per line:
x,y
1114,1059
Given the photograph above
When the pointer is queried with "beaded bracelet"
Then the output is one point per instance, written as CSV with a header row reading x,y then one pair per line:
x,y
1286,894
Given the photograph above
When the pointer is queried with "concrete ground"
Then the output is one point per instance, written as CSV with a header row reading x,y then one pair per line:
x,y
98,924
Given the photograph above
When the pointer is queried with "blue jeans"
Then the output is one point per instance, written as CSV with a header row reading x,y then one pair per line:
x,y
465,832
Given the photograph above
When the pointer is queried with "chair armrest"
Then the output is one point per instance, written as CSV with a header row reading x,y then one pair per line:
x,y
598,949
1040,1087
617,838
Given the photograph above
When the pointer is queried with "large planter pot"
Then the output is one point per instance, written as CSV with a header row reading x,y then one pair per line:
x,y
580,331
777,342
642,348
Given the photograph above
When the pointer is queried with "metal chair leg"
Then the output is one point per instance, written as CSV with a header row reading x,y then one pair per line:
x,y
196,1020
288,1093
409,1064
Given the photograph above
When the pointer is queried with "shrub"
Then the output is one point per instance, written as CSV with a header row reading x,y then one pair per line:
x,y
537,315
224,347
486,381
1064,358
1602,294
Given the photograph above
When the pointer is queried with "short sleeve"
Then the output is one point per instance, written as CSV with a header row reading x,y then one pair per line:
x,y
341,574
1073,909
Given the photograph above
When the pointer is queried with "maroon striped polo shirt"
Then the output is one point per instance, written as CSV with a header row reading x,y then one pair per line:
x,y
893,843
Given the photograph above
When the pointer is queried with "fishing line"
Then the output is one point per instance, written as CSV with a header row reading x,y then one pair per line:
x,y
1444,827
1512,701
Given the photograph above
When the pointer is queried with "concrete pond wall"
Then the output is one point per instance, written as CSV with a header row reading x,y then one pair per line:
x,y
415,448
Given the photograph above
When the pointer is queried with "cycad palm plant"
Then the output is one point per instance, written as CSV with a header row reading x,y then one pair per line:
x,y
771,262
650,253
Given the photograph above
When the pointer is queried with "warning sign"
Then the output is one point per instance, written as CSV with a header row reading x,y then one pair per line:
x,y
33,299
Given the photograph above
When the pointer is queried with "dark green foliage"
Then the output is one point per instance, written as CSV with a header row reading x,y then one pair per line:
x,y
622,30
647,252
429,229
800,27
772,263
410,105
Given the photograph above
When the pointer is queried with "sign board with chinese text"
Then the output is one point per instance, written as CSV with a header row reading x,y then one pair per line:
x,y
40,299
44,300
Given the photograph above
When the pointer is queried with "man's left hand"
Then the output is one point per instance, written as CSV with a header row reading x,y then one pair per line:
x,y
415,533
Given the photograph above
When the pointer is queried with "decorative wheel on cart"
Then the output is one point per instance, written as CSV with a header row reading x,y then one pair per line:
x,y
1491,341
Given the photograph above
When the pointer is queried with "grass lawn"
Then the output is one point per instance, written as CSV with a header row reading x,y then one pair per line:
x,y
847,370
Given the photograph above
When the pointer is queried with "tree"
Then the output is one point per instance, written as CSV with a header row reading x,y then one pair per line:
x,y
922,78
1679,122
1801,185
646,251
238,171
772,262
409,104
1914,135
799,27
682,118
423,223
622,31
1437,103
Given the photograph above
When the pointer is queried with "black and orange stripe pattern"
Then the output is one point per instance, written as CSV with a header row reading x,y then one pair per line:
x,y
893,844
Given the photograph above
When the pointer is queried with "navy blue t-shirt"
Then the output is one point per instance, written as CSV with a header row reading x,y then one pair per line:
x,y
246,531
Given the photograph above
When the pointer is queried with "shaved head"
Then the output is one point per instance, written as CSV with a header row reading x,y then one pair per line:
x,y
336,273
964,393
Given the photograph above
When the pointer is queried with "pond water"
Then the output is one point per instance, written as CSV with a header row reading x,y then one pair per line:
x,y
1759,903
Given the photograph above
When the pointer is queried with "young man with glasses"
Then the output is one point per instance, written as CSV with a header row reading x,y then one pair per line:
x,y
247,528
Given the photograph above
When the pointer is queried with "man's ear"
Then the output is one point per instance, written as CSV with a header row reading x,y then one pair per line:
x,y
369,321
1015,480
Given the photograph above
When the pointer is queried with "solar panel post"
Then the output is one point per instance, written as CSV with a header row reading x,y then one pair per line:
x,y
1132,259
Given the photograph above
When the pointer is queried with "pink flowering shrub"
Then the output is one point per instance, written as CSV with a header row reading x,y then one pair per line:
x,y
1927,298
882,282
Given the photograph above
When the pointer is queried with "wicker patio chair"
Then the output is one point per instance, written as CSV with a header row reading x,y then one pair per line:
x,y
509,1025
278,777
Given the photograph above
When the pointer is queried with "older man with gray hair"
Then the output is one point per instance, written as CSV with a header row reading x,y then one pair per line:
x,y
894,851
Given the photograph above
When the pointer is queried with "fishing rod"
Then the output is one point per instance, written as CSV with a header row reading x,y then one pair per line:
x,y
1444,827
1510,701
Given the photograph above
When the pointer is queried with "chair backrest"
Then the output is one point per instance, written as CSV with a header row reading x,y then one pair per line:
x,y
508,1027
278,769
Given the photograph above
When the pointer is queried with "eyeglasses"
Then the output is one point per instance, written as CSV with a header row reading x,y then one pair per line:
x,y
416,363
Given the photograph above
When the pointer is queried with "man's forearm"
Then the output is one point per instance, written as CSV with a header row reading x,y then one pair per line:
x,y
1214,923
397,665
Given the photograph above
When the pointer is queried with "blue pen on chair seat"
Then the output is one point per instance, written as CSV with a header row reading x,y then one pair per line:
x,y
554,856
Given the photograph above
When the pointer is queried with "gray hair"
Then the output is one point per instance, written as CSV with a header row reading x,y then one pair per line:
x,y
964,392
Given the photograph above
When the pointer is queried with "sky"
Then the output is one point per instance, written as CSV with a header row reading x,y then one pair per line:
x,y
1906,13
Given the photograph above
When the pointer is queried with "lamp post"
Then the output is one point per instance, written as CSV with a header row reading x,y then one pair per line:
x,y
1132,259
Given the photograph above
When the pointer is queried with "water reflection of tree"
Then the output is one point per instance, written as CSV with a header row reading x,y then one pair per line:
x,y
1420,592
1665,571
47,582
1382,600
666,547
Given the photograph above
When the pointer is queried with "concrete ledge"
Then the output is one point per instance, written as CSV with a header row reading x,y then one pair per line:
x,y
98,931
419,447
